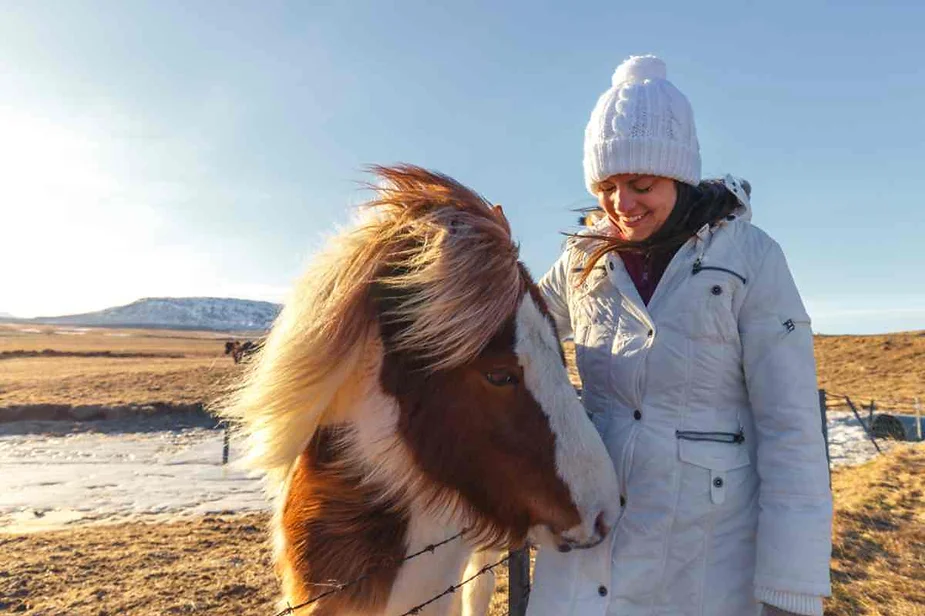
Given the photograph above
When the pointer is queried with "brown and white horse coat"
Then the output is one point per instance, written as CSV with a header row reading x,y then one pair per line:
x,y
412,387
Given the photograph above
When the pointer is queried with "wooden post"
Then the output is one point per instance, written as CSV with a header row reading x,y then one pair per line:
x,y
870,415
518,582
825,432
226,446
918,418
867,429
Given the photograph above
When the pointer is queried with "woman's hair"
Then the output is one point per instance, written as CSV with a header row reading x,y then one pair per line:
x,y
695,206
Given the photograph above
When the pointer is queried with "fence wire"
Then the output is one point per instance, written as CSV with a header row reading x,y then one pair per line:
x,y
831,400
340,587
417,609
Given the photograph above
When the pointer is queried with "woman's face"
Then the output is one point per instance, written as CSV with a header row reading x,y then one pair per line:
x,y
637,205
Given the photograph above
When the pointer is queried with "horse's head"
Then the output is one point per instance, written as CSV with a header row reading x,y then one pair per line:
x,y
423,331
471,355
229,346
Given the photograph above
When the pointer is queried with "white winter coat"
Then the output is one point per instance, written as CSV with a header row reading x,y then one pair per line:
x,y
709,528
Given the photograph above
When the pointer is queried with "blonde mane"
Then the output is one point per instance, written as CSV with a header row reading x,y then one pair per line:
x,y
449,268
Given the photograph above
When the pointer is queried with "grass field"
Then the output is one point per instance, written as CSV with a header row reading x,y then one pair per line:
x,y
173,367
190,367
220,564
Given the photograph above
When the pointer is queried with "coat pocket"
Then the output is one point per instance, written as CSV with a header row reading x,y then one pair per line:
x,y
713,314
718,459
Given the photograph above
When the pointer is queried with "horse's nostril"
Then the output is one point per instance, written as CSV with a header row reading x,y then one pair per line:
x,y
602,528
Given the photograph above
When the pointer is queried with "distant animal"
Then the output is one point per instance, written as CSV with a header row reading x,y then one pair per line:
x,y
412,389
240,351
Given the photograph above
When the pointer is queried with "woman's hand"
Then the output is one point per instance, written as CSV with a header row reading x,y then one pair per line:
x,y
770,610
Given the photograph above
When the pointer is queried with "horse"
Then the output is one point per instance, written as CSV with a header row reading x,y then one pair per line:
x,y
242,350
413,392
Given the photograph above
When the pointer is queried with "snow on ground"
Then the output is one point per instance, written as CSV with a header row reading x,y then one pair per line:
x,y
53,480
58,474
848,442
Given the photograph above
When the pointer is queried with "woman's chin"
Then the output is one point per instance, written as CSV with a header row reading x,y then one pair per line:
x,y
636,235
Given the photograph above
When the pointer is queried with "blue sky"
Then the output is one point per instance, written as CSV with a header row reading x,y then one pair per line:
x,y
197,148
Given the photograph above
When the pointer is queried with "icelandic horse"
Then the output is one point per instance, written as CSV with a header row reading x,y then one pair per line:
x,y
413,388
240,351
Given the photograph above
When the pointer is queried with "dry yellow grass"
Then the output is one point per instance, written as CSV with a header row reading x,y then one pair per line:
x,y
878,560
188,367
221,564
161,366
887,368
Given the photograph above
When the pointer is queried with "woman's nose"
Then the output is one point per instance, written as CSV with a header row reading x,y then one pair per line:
x,y
622,201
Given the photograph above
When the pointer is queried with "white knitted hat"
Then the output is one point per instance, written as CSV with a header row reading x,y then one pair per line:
x,y
642,124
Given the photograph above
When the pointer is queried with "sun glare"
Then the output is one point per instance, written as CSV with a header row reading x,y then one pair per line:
x,y
73,234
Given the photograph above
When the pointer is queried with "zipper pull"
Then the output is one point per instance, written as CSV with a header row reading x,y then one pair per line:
x,y
697,266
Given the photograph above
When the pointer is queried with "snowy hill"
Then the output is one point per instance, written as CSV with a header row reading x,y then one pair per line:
x,y
179,312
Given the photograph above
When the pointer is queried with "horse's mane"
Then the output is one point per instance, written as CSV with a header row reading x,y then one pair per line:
x,y
447,264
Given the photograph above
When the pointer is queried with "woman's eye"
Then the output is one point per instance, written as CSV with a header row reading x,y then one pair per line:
x,y
500,378
642,189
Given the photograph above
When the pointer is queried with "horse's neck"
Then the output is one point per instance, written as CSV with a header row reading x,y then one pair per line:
x,y
390,462
356,496
430,574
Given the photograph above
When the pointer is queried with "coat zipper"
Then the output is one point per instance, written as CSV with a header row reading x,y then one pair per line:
x,y
698,267
733,438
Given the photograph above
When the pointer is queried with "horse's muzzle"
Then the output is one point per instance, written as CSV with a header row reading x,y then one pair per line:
x,y
601,530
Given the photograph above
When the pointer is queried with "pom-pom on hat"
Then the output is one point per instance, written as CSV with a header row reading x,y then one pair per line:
x,y
642,124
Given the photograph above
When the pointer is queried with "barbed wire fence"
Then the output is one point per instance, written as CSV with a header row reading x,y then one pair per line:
x,y
518,561
429,549
902,422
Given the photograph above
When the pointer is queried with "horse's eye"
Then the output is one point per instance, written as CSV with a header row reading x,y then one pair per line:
x,y
501,378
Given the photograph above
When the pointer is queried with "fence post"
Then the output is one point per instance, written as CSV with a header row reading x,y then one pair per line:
x,y
918,418
226,445
868,429
518,592
825,432
870,415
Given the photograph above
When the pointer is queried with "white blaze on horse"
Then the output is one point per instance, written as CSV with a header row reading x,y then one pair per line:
x,y
413,387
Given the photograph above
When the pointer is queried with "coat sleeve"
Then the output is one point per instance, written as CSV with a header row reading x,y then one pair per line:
x,y
554,287
795,501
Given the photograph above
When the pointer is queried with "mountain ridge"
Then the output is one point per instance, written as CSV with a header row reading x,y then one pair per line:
x,y
210,313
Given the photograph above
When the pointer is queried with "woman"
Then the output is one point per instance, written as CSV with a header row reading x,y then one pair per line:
x,y
696,359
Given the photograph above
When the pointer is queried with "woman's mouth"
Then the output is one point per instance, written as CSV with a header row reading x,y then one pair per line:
x,y
633,221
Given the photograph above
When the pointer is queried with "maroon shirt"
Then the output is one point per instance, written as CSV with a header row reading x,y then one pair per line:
x,y
646,270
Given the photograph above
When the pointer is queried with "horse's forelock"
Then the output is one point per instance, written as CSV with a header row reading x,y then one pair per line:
x,y
441,252
450,264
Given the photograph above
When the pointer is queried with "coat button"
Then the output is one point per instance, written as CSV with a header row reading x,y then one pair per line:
x,y
716,290
602,591
718,482
637,414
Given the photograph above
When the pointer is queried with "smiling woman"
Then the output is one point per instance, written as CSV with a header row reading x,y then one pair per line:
x,y
637,205
695,354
